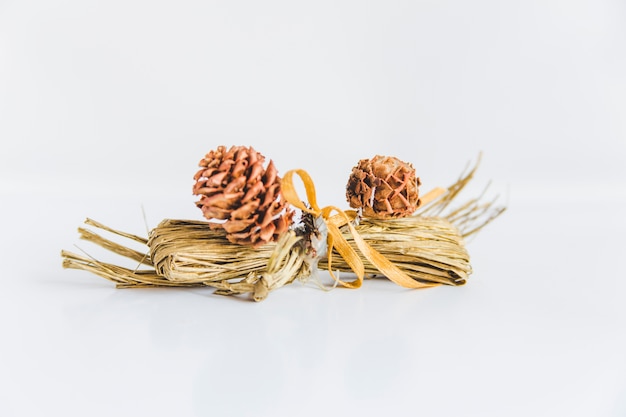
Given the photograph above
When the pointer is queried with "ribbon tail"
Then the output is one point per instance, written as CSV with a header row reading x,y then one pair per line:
x,y
384,265
348,254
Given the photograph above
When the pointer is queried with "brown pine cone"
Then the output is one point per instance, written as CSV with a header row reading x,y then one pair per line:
x,y
234,186
383,187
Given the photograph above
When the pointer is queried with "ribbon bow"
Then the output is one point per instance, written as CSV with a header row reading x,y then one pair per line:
x,y
336,239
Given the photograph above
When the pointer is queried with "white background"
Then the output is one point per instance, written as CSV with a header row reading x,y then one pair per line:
x,y
106,108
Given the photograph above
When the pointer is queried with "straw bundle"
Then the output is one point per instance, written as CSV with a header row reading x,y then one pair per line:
x,y
183,253
428,249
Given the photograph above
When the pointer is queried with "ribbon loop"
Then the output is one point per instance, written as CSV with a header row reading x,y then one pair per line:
x,y
289,191
335,237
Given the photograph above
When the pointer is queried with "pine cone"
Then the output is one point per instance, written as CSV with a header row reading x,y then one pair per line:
x,y
234,186
383,187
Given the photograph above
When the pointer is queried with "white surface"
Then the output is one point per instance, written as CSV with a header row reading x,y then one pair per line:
x,y
107,107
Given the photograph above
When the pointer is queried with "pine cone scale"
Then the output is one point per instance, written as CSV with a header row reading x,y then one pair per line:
x,y
222,200
214,213
255,173
246,210
234,226
253,192
236,185
270,174
270,194
267,231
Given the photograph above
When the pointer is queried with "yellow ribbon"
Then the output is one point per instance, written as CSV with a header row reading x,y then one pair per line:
x,y
338,241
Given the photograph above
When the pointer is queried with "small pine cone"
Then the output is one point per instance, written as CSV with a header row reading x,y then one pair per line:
x,y
383,187
234,187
